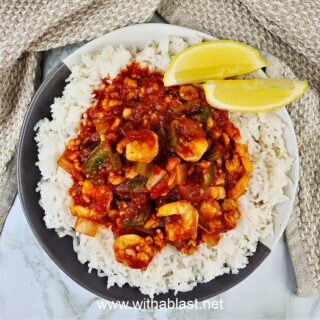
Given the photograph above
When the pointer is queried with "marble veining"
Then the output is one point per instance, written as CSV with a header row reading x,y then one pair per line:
x,y
33,287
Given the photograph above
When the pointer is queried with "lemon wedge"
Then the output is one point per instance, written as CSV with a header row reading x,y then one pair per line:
x,y
216,59
253,95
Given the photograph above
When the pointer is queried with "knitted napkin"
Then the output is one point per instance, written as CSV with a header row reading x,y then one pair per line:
x,y
287,29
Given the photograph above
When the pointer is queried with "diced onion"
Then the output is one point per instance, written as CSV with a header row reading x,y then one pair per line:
x,y
86,226
155,178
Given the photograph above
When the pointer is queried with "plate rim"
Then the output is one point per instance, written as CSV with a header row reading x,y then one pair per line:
x,y
98,43
68,63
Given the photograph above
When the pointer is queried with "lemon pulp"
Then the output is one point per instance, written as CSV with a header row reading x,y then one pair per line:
x,y
253,95
216,59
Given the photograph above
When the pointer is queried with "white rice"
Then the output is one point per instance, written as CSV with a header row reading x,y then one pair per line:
x,y
169,269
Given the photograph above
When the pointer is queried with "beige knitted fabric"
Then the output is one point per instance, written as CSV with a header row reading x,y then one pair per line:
x,y
288,29
27,26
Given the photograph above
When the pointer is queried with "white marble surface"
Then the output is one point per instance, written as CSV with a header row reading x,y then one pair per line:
x,y
33,287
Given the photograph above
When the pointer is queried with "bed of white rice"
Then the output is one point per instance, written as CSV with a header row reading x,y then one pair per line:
x,y
169,269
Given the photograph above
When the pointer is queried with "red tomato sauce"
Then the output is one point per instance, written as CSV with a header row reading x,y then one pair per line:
x,y
135,117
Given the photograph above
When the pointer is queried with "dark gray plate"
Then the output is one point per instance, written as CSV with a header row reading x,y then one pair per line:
x,y
60,249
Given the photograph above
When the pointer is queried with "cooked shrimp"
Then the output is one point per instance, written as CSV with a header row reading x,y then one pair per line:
x,y
188,139
210,209
96,197
210,216
185,227
141,145
192,150
99,193
134,251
